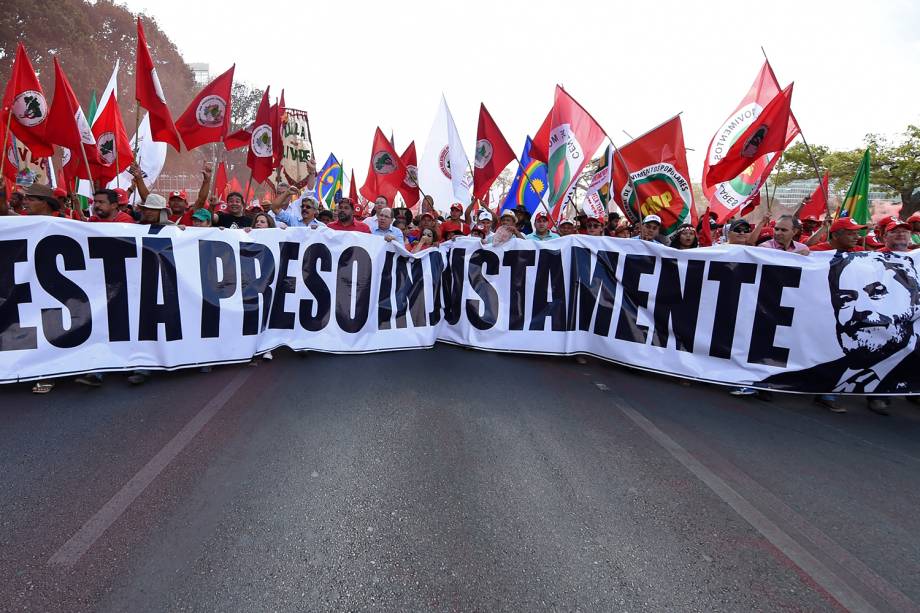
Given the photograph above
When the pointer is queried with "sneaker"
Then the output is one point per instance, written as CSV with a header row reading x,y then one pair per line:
x,y
743,391
830,403
137,379
42,387
91,379
878,405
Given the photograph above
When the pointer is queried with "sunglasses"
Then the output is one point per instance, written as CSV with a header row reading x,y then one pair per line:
x,y
747,231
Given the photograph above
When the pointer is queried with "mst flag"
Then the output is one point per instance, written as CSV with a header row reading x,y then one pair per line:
x,y
207,118
529,185
149,94
67,127
112,144
409,188
657,162
856,202
765,135
385,172
443,172
261,143
727,198
25,99
492,154
574,137
151,156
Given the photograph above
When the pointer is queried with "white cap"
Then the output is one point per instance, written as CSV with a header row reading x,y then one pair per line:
x,y
654,218
485,215
154,201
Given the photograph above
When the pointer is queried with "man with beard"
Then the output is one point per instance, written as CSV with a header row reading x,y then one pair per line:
x,y
345,218
234,214
876,300
106,208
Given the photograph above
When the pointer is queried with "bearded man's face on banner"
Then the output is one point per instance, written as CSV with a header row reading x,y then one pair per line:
x,y
874,319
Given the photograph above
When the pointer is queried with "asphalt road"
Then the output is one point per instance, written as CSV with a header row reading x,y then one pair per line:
x,y
451,480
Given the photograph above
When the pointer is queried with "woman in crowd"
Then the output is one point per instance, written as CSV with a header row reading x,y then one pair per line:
x,y
685,237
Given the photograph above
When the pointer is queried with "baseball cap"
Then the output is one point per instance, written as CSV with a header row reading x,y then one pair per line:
x,y
202,214
508,213
179,194
896,223
485,216
846,223
59,193
456,206
122,196
652,218
541,217
914,218
738,224
884,221
566,221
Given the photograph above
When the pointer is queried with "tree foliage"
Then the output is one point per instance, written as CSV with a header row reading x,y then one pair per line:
x,y
895,165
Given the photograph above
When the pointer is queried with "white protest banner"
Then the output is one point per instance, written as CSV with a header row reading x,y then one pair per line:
x,y
77,297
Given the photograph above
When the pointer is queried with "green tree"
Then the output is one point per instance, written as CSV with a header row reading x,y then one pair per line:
x,y
895,165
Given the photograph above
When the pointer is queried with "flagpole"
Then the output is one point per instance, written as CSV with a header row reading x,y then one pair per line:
x,y
6,139
117,170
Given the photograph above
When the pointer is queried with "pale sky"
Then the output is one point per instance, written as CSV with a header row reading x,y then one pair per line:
x,y
354,65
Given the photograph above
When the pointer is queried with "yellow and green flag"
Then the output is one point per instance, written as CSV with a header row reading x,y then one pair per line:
x,y
856,202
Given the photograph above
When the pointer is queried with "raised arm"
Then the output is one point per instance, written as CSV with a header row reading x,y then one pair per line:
x,y
206,173
139,185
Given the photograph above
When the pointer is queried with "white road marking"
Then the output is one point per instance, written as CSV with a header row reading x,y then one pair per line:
x,y
836,586
71,551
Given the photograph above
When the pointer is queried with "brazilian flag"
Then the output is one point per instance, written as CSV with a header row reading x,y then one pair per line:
x,y
329,183
856,202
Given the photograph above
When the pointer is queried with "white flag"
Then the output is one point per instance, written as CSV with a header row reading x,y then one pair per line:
x,y
84,187
151,155
444,170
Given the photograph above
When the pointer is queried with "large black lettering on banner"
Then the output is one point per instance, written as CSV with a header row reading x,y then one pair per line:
x,y
115,296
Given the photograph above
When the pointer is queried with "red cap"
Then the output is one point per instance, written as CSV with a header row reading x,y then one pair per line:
x,y
479,228
896,223
595,217
59,193
456,207
179,194
884,221
426,214
122,196
846,223
873,241
914,218
541,217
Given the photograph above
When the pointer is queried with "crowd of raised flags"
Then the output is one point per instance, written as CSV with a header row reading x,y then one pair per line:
x,y
647,176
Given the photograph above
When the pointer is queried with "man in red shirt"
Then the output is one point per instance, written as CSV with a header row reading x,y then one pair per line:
x,y
455,223
105,207
179,210
844,236
345,218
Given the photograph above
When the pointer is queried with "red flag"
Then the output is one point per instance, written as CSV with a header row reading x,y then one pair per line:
x,y
705,234
25,99
149,94
235,186
816,206
10,160
409,188
112,144
767,134
574,138
493,153
726,199
261,144
207,118
539,146
657,161
67,127
353,189
385,172
220,180
240,138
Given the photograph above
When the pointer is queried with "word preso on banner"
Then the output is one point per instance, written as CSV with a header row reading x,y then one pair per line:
x,y
98,297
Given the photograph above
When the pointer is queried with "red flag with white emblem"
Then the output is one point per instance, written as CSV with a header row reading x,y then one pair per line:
x,y
25,100
207,118
492,154
149,94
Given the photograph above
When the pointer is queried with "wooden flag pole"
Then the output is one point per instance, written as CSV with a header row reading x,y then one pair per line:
x,y
6,140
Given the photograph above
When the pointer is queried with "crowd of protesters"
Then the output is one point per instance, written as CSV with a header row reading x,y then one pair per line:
x,y
424,228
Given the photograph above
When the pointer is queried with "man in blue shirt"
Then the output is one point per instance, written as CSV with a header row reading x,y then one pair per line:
x,y
385,227
541,229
